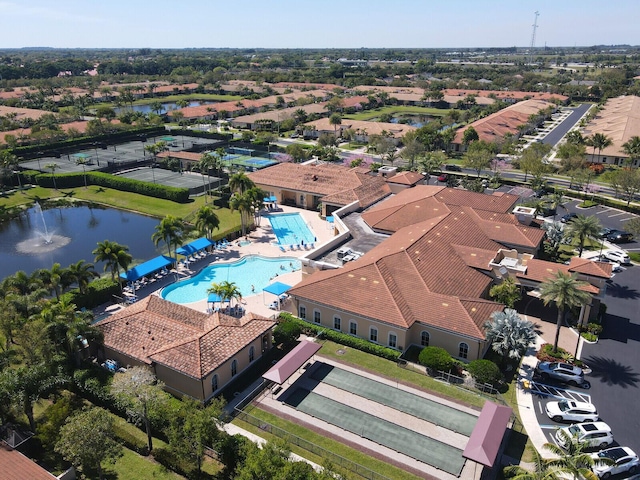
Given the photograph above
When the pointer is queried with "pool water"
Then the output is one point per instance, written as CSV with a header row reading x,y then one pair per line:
x,y
250,270
291,229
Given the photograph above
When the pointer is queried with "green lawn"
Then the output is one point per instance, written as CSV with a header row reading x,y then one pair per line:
x,y
333,446
155,207
394,109
192,97
132,466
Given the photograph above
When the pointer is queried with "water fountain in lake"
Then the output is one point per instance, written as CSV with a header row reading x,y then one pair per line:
x,y
43,240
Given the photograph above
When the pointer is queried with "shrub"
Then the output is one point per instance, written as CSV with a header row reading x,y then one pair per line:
x,y
138,445
594,328
343,339
436,358
98,292
590,337
286,332
484,371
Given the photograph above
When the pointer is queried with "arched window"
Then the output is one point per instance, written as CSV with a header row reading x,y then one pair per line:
x,y
214,383
463,350
252,353
234,368
424,339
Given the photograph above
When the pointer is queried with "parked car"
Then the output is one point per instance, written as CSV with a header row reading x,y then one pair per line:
x,y
563,372
442,177
605,232
617,256
624,460
615,266
571,411
452,168
619,236
590,434
568,217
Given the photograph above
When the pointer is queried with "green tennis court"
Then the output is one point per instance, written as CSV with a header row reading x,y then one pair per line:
x,y
246,161
422,448
434,412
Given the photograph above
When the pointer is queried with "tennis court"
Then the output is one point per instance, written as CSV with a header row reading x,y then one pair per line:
x,y
168,177
246,161
420,407
418,446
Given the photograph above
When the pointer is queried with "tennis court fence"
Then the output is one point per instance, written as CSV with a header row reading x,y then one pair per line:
x,y
292,439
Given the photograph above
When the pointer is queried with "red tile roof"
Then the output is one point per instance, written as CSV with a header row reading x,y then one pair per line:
x,y
406,178
183,339
540,271
335,184
15,466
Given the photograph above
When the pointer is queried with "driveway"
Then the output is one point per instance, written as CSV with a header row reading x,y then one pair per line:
x,y
615,360
557,133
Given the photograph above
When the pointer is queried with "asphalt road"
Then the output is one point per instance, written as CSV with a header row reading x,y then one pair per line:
x,y
615,360
557,133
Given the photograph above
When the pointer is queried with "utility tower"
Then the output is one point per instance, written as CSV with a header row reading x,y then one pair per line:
x,y
533,37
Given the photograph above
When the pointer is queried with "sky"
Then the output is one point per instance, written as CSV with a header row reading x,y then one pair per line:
x,y
309,24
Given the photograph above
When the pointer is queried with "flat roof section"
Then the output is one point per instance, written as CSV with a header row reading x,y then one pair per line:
x,y
292,361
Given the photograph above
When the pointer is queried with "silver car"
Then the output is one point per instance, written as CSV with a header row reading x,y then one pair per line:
x,y
563,372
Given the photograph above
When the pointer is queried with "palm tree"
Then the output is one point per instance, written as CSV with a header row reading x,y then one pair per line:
x,y
542,470
219,290
509,334
114,256
83,162
170,230
51,279
81,273
256,197
206,163
574,461
565,291
243,204
207,220
335,119
598,141
632,148
53,167
239,183
583,227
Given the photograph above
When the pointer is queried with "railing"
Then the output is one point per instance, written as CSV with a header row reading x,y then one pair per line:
x,y
334,458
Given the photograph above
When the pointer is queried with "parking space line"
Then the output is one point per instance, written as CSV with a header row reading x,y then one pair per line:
x,y
617,214
626,219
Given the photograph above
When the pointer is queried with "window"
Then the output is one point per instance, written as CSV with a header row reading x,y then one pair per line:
x,y
373,334
424,339
214,383
302,312
252,353
353,328
234,368
336,323
463,350
393,340
316,316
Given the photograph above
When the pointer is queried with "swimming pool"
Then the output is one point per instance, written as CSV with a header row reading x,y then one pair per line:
x,y
250,270
291,229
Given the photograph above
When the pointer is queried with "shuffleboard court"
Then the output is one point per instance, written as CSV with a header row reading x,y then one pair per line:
x,y
433,412
422,448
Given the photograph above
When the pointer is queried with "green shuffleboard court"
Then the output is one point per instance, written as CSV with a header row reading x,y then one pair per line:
x,y
410,443
425,409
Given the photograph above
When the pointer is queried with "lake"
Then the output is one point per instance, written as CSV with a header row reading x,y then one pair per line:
x,y
79,229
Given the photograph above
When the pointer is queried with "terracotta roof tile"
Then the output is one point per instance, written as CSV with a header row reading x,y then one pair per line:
x,y
406,178
15,466
193,343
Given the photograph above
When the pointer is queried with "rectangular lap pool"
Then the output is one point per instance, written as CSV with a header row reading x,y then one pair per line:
x,y
291,229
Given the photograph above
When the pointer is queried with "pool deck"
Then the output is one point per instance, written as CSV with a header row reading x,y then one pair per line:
x,y
261,244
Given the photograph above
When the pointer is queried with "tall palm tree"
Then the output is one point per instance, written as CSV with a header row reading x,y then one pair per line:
x,y
256,197
335,119
219,290
82,273
83,162
170,230
53,167
52,279
542,470
206,163
240,183
598,141
243,204
632,148
207,220
564,290
583,227
114,257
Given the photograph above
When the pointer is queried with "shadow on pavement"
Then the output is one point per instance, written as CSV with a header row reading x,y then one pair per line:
x,y
620,329
612,372
622,291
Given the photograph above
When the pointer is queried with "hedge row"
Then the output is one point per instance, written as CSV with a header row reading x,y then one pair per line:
x,y
98,292
343,339
74,180
131,441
